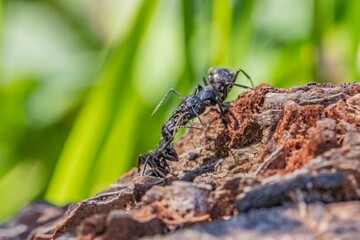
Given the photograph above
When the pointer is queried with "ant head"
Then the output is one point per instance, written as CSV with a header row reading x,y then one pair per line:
x,y
222,79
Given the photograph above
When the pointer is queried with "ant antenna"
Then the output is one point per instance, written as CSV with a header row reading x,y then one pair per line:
x,y
242,86
246,75
145,164
197,115
198,88
205,81
164,98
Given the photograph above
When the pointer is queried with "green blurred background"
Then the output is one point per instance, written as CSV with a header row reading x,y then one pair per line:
x,y
79,79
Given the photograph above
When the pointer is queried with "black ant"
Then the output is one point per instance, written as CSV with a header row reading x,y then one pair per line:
x,y
189,108
157,160
219,84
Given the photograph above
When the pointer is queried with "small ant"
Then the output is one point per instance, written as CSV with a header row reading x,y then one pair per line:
x,y
219,83
157,160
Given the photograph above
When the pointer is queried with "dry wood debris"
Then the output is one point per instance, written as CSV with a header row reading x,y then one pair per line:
x,y
287,166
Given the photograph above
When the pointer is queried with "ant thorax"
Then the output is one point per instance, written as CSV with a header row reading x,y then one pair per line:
x,y
209,95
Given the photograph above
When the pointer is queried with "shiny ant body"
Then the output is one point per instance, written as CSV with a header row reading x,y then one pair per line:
x,y
217,87
191,107
157,160
219,83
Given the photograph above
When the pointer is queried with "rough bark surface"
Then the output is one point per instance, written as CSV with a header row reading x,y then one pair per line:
x,y
287,166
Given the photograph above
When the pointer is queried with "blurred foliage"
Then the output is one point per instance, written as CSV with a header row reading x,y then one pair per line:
x,y
79,79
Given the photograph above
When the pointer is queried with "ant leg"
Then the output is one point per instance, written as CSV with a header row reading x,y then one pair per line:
x,y
157,169
243,86
167,134
205,81
226,105
154,167
145,165
159,173
164,98
223,116
140,160
192,127
164,143
177,126
246,75
197,115
198,88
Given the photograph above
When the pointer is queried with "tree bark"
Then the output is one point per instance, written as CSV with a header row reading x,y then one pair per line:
x,y
287,165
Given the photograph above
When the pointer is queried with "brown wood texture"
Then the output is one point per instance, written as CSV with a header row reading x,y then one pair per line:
x,y
286,166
